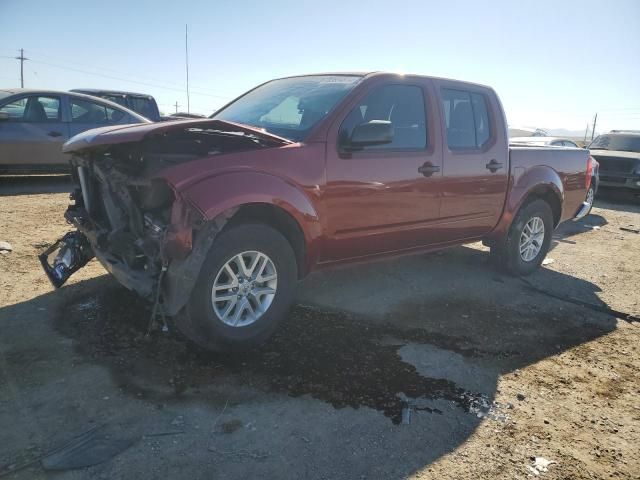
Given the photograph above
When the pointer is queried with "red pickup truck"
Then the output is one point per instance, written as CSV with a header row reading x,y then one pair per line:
x,y
214,221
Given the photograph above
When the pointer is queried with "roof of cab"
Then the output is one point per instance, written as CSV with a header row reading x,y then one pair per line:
x,y
108,91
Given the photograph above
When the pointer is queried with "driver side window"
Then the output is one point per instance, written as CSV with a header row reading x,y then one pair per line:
x,y
403,106
33,109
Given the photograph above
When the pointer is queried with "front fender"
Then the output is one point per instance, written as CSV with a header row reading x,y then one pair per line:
x,y
218,194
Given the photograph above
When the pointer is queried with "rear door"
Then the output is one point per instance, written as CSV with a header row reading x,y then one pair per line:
x,y
475,170
33,134
377,200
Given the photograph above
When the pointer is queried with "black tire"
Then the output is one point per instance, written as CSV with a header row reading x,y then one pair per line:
x,y
508,256
591,191
204,326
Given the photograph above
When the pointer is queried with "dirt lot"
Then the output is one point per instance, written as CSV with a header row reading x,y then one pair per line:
x,y
494,371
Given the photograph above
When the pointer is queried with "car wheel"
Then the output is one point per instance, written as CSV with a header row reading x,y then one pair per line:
x,y
246,286
529,238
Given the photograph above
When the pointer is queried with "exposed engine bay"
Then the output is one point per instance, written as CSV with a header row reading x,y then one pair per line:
x,y
132,220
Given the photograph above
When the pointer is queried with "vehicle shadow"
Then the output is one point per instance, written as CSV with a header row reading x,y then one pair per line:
x,y
431,333
566,230
34,184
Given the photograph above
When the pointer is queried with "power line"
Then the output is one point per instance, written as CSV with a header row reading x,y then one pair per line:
x,y
120,72
125,79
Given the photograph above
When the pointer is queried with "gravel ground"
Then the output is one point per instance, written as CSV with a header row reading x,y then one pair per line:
x,y
435,366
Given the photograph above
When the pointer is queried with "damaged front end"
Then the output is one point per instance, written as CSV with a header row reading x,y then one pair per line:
x,y
136,226
131,219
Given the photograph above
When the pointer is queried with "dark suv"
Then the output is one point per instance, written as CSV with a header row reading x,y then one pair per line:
x,y
140,103
618,153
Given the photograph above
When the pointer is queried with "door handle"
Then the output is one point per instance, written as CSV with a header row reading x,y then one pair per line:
x,y
427,169
54,134
493,166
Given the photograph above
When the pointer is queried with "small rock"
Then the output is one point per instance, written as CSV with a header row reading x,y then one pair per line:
x,y
520,397
548,261
231,426
5,247
178,421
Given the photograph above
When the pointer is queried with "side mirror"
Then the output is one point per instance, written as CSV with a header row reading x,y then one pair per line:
x,y
4,116
375,132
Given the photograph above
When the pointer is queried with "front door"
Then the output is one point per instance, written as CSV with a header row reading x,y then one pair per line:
x,y
383,198
32,132
475,170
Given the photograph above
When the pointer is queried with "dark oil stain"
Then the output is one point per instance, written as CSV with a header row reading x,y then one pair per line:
x,y
331,356
326,355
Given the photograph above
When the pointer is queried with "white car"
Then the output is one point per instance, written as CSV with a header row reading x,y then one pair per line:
x,y
542,142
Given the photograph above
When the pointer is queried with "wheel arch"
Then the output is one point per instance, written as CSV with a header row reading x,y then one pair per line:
x,y
261,197
536,183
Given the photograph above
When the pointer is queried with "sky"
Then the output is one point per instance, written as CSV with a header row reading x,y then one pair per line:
x,y
555,64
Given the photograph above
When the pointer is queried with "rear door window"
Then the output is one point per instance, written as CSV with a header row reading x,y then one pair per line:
x,y
143,106
84,111
466,119
119,99
35,108
403,106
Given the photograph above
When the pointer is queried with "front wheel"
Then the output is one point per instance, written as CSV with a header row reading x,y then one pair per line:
x,y
528,240
245,288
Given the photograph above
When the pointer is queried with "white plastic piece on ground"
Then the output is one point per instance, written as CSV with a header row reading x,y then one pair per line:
x,y
548,261
540,465
5,247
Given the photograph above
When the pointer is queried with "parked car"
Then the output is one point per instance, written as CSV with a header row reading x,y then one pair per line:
x,y
527,132
618,154
543,141
35,123
215,221
140,103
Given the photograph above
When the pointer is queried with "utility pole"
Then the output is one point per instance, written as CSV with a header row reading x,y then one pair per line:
x,y
22,58
593,132
186,53
176,105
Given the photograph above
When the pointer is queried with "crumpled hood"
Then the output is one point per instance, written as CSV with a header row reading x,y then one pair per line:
x,y
134,133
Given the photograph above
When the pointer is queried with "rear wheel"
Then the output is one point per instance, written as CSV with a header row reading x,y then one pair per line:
x,y
591,196
245,288
528,240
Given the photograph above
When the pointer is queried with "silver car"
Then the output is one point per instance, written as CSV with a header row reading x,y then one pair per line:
x,y
542,142
35,123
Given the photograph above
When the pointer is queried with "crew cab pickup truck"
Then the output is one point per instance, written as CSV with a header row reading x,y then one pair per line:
x,y
215,220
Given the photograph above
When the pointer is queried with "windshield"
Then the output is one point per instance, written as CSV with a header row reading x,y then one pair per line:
x,y
621,143
289,107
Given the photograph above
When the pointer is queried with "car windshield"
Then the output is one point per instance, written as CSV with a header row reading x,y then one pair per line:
x,y
289,107
621,143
